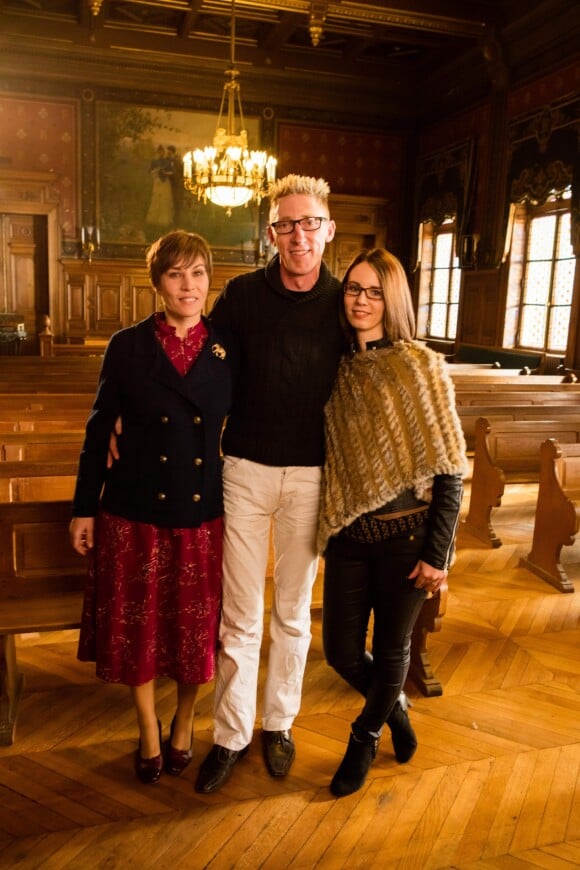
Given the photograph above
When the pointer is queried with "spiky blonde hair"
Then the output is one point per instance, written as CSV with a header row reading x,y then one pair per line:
x,y
304,184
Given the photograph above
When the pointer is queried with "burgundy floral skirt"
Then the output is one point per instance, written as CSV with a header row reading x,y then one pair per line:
x,y
152,602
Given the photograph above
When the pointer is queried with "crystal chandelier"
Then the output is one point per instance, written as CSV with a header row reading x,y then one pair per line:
x,y
227,173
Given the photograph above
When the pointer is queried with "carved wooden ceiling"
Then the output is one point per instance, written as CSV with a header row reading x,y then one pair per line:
x,y
302,52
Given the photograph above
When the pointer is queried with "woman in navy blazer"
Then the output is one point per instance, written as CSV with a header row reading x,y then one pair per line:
x,y
153,522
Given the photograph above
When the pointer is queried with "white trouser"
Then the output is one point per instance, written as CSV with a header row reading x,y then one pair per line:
x,y
255,495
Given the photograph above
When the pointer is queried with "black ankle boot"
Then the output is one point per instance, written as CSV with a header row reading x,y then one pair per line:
x,y
403,736
355,765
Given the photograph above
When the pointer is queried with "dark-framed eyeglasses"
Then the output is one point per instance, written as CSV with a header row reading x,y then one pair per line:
x,y
308,224
351,288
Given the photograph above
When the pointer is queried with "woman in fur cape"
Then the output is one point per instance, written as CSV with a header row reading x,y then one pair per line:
x,y
391,494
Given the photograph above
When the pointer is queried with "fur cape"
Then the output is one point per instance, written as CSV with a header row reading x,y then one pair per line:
x,y
390,426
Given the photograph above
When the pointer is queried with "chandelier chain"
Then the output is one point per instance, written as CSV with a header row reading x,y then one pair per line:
x,y
228,173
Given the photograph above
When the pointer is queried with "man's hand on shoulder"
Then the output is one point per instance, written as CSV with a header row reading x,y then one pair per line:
x,y
113,445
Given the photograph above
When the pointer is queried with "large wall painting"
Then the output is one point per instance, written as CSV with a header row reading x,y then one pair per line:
x,y
140,190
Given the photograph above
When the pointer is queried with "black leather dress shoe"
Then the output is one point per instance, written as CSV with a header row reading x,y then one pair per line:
x,y
217,768
279,751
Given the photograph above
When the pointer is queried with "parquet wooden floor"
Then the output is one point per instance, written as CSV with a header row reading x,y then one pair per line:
x,y
494,785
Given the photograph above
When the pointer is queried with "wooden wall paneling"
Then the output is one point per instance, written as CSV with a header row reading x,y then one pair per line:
x,y
95,301
222,272
493,227
75,323
365,215
107,295
360,223
480,308
142,300
343,249
106,303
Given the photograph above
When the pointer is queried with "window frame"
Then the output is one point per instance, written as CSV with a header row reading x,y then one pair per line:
x,y
429,232
524,214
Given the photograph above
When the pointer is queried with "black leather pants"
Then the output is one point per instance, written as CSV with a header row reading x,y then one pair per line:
x,y
360,579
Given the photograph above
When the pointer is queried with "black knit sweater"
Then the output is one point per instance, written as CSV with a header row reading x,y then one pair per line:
x,y
289,347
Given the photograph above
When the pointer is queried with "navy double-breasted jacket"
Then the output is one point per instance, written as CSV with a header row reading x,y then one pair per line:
x,y
169,472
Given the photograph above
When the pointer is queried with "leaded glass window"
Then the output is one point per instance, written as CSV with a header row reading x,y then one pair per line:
x,y
440,282
547,279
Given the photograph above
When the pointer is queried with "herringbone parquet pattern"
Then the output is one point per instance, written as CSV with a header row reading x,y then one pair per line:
x,y
495,782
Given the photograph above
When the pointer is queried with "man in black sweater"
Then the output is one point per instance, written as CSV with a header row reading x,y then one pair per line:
x,y
284,318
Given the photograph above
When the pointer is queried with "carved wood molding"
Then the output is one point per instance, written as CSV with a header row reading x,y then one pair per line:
x,y
544,155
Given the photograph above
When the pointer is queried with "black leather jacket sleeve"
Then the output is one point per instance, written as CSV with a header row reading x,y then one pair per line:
x,y
443,519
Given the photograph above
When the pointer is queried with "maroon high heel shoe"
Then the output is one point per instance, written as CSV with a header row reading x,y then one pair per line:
x,y
176,760
149,769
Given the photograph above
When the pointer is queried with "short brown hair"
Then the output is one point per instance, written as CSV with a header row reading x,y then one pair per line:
x,y
175,249
399,316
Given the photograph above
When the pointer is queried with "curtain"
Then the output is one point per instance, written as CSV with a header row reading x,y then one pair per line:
x,y
446,183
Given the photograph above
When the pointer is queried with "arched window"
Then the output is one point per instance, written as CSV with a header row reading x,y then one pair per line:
x,y
439,283
541,276
543,229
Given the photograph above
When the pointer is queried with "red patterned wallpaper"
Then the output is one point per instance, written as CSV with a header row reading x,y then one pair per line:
x,y
41,136
353,163
362,164
544,90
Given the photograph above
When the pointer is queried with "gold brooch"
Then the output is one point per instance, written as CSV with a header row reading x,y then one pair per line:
x,y
218,351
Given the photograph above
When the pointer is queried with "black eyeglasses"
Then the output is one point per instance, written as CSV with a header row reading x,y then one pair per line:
x,y
351,288
308,224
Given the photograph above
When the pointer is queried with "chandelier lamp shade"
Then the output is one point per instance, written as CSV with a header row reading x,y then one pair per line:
x,y
227,173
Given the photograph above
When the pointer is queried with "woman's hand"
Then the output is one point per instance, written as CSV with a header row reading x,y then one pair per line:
x,y
82,534
427,577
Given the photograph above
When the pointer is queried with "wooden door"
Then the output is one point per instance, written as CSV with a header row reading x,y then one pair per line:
x,y
24,273
360,223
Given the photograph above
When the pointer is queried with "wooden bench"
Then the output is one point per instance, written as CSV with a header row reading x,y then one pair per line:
x,y
557,518
26,402
469,414
508,377
42,581
41,446
506,357
429,621
40,369
44,413
89,349
507,451
516,378
38,366
43,425
37,481
55,385
516,397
